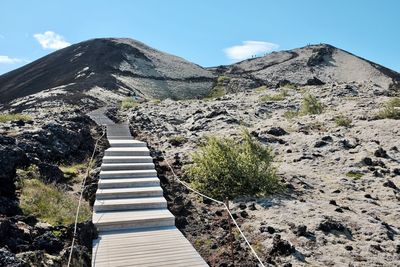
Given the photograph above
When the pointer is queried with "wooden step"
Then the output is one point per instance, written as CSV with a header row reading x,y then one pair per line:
x,y
120,137
130,204
109,193
127,159
128,182
126,143
127,151
132,219
127,174
126,166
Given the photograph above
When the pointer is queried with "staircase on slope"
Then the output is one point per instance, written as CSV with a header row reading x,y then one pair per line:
x,y
135,227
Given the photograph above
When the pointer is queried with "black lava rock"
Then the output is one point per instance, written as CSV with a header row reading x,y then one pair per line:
x,y
276,131
328,225
348,248
244,214
300,230
281,247
48,242
381,153
314,81
9,259
320,143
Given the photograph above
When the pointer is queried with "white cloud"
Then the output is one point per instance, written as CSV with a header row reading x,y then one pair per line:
x,y
51,40
11,60
248,49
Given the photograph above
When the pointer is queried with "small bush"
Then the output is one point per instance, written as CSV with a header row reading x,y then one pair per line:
x,y
129,102
343,121
50,204
226,168
14,117
156,101
355,175
73,171
177,140
391,109
29,173
311,105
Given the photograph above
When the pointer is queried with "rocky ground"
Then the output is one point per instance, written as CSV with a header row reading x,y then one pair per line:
x,y
341,203
50,138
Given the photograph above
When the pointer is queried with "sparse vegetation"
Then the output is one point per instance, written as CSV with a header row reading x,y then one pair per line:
x,y
355,175
310,105
275,97
227,168
50,204
219,89
290,114
177,140
73,171
222,79
343,121
5,117
290,86
129,102
261,89
216,92
391,109
156,101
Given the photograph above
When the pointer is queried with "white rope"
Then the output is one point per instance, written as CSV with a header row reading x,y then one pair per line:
x,y
219,202
80,197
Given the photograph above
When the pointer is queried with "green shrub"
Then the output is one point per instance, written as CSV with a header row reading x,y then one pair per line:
x,y
129,102
14,117
342,120
50,204
226,168
311,105
391,109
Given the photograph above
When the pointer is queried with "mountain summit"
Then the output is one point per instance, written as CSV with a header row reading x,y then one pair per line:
x,y
98,71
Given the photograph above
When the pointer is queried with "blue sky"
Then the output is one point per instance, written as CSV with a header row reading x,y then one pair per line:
x,y
207,32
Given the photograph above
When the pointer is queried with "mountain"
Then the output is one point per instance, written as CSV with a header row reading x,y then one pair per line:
x,y
105,69
102,71
311,65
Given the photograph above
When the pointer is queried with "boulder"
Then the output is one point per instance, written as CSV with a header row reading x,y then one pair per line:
x,y
10,260
48,242
10,159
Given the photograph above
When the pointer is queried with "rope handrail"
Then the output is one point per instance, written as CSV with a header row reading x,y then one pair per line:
x,y
219,202
81,195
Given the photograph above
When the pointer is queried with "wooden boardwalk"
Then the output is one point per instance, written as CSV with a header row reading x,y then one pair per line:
x,y
135,227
